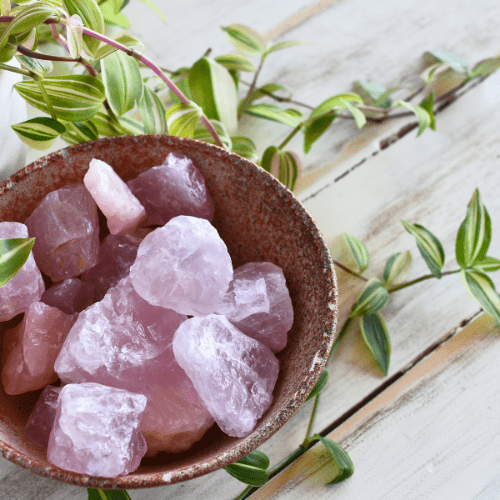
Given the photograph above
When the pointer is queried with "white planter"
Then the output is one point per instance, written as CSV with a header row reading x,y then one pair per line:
x,y
12,110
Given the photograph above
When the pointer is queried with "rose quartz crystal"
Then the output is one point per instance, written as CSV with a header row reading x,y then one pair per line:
x,y
257,302
96,430
184,266
176,187
31,348
233,374
26,286
66,227
70,296
116,255
42,417
122,209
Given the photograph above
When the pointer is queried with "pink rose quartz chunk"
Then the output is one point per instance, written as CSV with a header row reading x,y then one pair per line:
x,y
41,420
122,209
176,187
31,348
66,227
233,374
70,296
26,286
257,302
184,266
96,430
116,255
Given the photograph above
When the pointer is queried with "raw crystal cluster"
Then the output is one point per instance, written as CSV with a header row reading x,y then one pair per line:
x,y
184,266
31,348
233,373
66,227
96,430
122,209
176,187
70,296
257,302
24,288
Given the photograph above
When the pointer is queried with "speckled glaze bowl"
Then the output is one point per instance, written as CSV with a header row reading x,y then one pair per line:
x,y
259,220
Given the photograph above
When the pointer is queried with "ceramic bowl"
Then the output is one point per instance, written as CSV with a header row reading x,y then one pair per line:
x,y
260,220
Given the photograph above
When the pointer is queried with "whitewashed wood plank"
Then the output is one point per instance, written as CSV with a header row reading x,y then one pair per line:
x,y
432,434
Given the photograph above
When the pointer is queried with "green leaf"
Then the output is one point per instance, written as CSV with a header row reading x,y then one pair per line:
x,y
440,56
429,246
372,93
315,129
376,337
424,119
126,40
152,112
474,235
133,126
37,66
75,35
236,62
340,458
255,458
158,12
214,90
182,118
290,117
428,105
373,297
284,45
9,49
202,134
356,252
250,469
358,115
334,103
244,38
486,67
483,291
320,384
487,265
92,18
39,133
265,91
396,267
4,7
112,18
284,165
107,494
13,255
267,158
117,5
122,81
29,39
106,126
244,147
76,133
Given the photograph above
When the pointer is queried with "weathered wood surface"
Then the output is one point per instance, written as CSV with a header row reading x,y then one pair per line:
x,y
428,180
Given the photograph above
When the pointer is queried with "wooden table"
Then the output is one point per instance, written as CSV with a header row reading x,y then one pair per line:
x,y
430,429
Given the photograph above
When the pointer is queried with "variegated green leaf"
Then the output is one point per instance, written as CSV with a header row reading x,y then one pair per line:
x,y
39,133
474,235
29,39
91,16
428,105
95,494
122,81
429,246
106,126
284,165
264,91
202,134
245,38
424,119
75,35
236,62
9,49
117,5
134,127
182,118
267,158
483,291
285,45
37,66
440,56
357,114
4,7
75,98
244,147
373,297
396,267
250,469
290,117
76,133
126,40
486,67
376,337
340,458
372,93
320,384
112,18
214,90
315,129
487,265
355,253
335,102
13,255
155,9
152,112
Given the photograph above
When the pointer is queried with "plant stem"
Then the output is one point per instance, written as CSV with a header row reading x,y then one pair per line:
x,y
340,336
311,421
347,270
58,38
252,88
291,135
45,96
418,280
245,493
24,72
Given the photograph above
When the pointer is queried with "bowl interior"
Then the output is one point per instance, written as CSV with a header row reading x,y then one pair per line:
x,y
259,220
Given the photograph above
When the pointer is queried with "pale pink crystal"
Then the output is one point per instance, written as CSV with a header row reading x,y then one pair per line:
x,y
116,255
257,302
96,430
176,187
184,266
70,296
24,288
233,374
31,348
41,420
66,227
122,209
